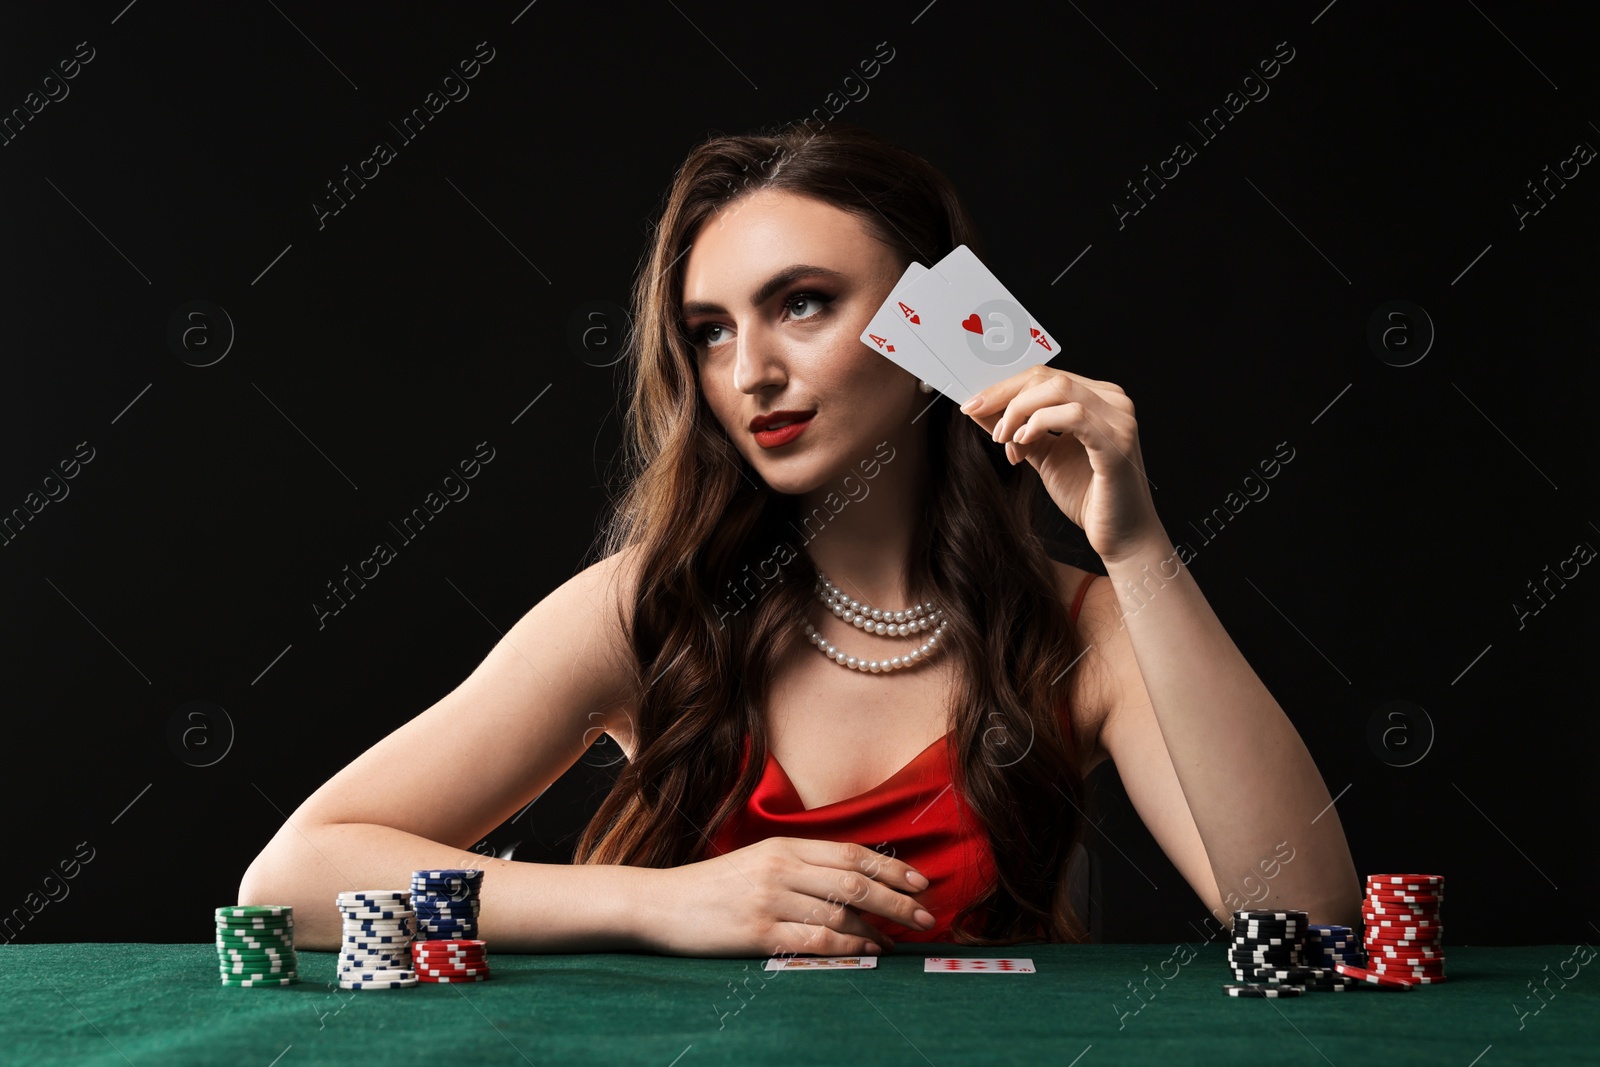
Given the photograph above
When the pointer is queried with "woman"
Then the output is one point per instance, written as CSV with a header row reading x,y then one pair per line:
x,y
924,784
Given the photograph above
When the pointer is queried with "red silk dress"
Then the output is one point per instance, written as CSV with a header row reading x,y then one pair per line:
x,y
915,816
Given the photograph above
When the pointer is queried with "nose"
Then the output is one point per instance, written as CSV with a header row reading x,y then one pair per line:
x,y
757,363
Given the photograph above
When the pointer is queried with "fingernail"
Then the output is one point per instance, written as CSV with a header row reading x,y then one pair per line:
x,y
970,406
917,879
923,918
873,950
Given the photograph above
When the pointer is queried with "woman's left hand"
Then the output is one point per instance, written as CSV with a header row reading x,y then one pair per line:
x,y
1094,470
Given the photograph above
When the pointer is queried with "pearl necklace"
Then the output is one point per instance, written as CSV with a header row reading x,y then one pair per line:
x,y
873,620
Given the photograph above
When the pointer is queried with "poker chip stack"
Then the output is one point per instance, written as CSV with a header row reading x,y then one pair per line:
x,y
1271,957
447,948
376,951
446,903
255,945
1329,946
1404,934
454,960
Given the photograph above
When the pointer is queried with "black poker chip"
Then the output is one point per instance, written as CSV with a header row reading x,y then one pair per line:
x,y
1262,991
1293,975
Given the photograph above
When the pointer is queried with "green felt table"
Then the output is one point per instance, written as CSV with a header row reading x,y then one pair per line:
x,y
162,1004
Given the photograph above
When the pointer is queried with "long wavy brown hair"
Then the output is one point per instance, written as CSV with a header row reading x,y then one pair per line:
x,y
703,525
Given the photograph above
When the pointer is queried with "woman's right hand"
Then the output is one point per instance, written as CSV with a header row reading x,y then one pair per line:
x,y
784,895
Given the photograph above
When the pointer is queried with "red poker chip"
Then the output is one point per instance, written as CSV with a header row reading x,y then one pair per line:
x,y
1387,926
1405,879
454,942
1424,934
1403,933
1382,944
1405,918
1402,936
1401,900
1390,900
1382,981
1389,952
452,972
1408,972
443,979
1376,890
1402,905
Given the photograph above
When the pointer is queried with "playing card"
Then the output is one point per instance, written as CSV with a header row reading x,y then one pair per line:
x,y
972,324
889,334
978,965
821,963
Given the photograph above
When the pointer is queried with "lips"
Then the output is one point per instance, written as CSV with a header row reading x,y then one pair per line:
x,y
777,419
778,436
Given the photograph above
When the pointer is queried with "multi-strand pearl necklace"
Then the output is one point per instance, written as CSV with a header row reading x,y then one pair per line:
x,y
873,620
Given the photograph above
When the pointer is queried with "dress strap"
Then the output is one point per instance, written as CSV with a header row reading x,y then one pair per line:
x,y
1077,601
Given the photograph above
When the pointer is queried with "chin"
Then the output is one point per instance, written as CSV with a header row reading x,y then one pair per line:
x,y
791,476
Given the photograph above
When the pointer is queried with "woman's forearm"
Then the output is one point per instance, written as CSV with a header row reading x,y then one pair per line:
x,y
526,907
1245,772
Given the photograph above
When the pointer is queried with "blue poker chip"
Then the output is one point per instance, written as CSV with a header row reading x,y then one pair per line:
x,y
446,877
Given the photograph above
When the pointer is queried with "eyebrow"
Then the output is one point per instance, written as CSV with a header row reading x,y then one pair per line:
x,y
765,291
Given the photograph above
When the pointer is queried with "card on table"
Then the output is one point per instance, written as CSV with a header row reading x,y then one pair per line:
x,y
969,323
821,963
978,965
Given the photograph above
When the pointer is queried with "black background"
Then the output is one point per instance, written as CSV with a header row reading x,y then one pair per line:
x,y
437,311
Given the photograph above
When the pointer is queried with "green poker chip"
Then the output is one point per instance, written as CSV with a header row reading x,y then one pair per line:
x,y
256,911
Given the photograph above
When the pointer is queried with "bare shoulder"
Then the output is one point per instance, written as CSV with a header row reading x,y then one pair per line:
x,y
1094,682
612,585
613,582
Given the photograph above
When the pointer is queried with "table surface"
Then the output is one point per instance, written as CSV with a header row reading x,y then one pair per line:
x,y
163,1004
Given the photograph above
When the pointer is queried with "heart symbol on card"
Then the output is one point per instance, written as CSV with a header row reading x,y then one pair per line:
x,y
972,324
